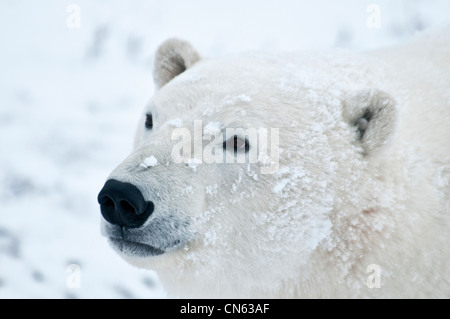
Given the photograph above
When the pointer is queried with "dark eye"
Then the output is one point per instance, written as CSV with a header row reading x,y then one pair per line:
x,y
149,121
237,144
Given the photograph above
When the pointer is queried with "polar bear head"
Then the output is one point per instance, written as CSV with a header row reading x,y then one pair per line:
x,y
247,169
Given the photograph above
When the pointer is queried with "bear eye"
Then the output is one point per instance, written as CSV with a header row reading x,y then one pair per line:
x,y
149,121
236,143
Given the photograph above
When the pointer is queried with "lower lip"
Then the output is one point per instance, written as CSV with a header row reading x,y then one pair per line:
x,y
135,249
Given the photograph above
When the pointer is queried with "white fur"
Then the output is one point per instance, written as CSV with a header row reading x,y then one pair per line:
x,y
336,204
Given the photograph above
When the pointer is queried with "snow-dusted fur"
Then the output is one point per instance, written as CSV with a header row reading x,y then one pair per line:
x,y
363,176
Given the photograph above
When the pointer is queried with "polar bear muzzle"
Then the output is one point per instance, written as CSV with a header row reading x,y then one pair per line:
x,y
133,225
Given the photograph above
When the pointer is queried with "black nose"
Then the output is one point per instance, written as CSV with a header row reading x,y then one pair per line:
x,y
122,204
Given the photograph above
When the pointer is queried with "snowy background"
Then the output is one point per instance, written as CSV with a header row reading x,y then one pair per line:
x,y
70,99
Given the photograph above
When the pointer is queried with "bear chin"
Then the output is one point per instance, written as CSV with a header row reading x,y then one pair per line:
x,y
133,249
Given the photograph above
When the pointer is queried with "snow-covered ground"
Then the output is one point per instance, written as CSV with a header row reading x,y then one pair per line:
x,y
70,99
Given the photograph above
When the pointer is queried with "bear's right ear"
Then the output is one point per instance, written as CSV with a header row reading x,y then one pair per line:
x,y
373,116
172,58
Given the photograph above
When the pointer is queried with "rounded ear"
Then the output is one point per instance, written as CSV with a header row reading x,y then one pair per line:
x,y
173,57
373,116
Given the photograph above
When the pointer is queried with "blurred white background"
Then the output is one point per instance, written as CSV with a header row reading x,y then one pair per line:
x,y
70,98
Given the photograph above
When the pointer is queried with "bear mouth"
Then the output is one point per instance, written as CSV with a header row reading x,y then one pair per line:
x,y
134,249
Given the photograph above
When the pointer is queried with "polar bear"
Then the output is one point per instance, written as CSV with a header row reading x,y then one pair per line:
x,y
285,175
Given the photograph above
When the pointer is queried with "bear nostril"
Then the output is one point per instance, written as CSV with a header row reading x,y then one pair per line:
x,y
107,202
107,208
127,208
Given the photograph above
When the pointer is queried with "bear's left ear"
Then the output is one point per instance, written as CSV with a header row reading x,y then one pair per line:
x,y
173,57
373,116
